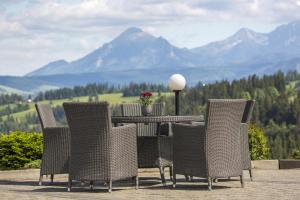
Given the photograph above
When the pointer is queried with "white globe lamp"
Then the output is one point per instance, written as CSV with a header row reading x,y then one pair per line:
x,y
177,83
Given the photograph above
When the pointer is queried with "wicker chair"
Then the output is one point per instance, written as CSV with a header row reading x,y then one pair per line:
x,y
99,152
56,148
244,136
211,150
147,140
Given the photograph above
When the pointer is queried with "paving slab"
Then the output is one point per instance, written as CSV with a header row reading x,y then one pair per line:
x,y
267,184
265,164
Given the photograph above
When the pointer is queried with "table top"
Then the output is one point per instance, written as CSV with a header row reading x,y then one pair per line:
x,y
156,119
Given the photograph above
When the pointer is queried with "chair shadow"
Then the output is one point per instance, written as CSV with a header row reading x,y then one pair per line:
x,y
152,183
182,184
31,183
99,187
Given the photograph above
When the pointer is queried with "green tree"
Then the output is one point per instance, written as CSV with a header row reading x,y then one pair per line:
x,y
258,143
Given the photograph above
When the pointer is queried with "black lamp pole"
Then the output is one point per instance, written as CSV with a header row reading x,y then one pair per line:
x,y
176,102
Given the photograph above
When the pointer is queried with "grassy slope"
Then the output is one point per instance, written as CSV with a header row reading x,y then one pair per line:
x,y
113,99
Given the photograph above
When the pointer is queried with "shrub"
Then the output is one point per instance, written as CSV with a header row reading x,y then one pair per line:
x,y
19,148
33,164
258,143
296,154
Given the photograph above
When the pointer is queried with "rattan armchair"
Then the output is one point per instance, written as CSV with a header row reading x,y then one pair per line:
x,y
245,138
211,150
99,152
56,140
147,140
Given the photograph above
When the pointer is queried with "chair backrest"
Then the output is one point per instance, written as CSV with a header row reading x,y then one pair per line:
x,y
223,148
46,116
135,109
248,111
90,130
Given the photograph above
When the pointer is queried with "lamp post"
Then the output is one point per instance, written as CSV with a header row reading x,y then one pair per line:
x,y
177,83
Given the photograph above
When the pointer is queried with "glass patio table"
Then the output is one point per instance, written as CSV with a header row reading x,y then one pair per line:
x,y
164,159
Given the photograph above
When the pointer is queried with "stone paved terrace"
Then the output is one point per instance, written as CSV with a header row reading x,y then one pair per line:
x,y
268,184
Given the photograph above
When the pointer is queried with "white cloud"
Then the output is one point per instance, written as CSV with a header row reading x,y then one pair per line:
x,y
35,32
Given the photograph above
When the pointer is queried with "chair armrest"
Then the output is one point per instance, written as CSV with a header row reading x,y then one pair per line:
x,y
188,136
198,123
189,148
125,129
57,134
56,147
245,146
57,130
124,151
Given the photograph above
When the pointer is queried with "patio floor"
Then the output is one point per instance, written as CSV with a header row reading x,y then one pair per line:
x,y
267,184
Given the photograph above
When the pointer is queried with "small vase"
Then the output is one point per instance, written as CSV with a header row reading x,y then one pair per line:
x,y
147,110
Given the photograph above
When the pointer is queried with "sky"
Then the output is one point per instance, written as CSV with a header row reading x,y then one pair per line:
x,y
36,32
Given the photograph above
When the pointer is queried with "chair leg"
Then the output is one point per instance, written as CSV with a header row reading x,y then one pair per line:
x,y
162,175
171,173
91,185
187,178
52,177
110,186
137,182
174,180
242,181
209,180
41,180
251,175
69,184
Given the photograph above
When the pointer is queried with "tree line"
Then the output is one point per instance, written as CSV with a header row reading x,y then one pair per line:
x,y
277,109
91,90
10,98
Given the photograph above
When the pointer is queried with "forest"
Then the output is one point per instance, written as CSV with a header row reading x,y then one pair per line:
x,y
277,109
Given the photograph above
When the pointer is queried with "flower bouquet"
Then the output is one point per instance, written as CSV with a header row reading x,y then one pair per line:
x,y
146,99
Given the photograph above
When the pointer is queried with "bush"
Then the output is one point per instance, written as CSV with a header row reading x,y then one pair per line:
x,y
33,164
258,143
296,154
19,148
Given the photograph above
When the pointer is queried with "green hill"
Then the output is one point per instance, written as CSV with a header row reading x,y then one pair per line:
x,y
113,99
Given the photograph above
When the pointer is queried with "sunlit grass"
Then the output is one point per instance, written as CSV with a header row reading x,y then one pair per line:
x,y
113,99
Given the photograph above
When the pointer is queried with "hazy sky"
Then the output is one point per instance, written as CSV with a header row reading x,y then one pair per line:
x,y
35,32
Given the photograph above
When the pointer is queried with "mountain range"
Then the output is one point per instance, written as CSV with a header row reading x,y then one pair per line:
x,y
137,56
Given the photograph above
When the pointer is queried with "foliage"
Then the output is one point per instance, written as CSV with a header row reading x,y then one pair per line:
x,y
277,108
77,91
19,148
10,98
146,98
33,164
135,89
7,110
283,139
92,90
296,154
258,143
